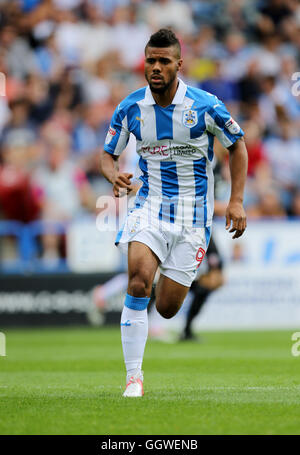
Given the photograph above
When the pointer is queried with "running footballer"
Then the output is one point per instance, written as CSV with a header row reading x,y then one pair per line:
x,y
170,224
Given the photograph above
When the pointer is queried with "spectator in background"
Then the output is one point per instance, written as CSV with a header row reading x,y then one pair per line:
x,y
66,93
94,29
237,56
19,58
276,10
259,172
257,160
249,86
67,4
20,122
95,80
267,55
271,104
40,99
108,8
49,62
168,13
238,14
64,190
18,195
67,63
282,152
295,210
267,206
58,177
225,89
88,136
129,36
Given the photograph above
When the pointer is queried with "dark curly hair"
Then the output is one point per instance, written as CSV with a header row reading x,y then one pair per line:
x,y
164,38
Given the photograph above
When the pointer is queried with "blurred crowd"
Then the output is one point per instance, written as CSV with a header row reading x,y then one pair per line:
x,y
68,63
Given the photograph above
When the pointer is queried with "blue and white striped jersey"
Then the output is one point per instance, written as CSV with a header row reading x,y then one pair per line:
x,y
175,145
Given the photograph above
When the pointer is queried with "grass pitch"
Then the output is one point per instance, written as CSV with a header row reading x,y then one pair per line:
x,y
70,381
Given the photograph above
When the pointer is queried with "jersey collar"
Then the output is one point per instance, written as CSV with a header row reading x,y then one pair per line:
x,y
178,98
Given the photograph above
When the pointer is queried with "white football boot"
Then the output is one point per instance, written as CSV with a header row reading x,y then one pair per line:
x,y
134,387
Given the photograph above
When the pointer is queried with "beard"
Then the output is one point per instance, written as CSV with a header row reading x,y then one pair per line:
x,y
163,87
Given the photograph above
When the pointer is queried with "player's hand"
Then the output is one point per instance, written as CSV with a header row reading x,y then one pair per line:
x,y
122,184
235,213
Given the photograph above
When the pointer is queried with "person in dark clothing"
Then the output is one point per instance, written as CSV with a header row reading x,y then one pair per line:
x,y
202,287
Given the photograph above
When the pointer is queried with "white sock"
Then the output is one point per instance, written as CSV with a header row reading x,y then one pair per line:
x,y
134,332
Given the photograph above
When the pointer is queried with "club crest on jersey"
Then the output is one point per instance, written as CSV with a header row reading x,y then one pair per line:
x,y
189,118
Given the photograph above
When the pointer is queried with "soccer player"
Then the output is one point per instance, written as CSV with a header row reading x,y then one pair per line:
x,y
169,226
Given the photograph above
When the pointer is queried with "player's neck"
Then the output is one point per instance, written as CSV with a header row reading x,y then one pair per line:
x,y
166,98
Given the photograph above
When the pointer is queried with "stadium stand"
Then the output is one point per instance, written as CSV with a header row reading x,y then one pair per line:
x,y
67,64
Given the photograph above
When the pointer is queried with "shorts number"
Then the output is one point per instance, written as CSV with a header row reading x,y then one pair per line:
x,y
199,256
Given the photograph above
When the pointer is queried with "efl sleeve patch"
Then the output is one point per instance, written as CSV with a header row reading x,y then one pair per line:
x,y
110,134
117,135
220,123
232,126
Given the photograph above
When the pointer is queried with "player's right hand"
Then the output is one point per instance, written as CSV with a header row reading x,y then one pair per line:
x,y
122,184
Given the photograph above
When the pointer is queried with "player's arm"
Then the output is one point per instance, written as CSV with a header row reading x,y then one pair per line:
x,y
238,163
220,123
116,140
110,170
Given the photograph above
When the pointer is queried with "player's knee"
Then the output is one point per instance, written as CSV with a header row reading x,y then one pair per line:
x,y
138,286
167,312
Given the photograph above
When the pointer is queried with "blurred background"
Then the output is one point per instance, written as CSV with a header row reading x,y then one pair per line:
x,y
65,65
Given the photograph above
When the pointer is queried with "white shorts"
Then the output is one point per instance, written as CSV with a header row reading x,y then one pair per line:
x,y
179,249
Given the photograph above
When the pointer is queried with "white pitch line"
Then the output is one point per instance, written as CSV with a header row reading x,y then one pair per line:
x,y
209,388
241,388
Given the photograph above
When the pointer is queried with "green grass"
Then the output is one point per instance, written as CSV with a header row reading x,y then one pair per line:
x,y
70,381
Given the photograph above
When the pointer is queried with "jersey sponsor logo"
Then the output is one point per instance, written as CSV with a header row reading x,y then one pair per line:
x,y
232,126
111,133
175,150
156,150
189,118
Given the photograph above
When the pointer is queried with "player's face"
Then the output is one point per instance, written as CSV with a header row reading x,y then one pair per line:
x,y
161,67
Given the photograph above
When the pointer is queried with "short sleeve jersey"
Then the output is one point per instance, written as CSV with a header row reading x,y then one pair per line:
x,y
175,145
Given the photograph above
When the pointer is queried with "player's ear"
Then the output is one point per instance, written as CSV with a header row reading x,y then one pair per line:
x,y
179,64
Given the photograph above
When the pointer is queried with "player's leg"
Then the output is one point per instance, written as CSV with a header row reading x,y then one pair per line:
x,y
142,266
169,296
178,270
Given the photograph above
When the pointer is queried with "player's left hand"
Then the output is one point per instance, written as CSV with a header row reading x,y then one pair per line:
x,y
235,213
